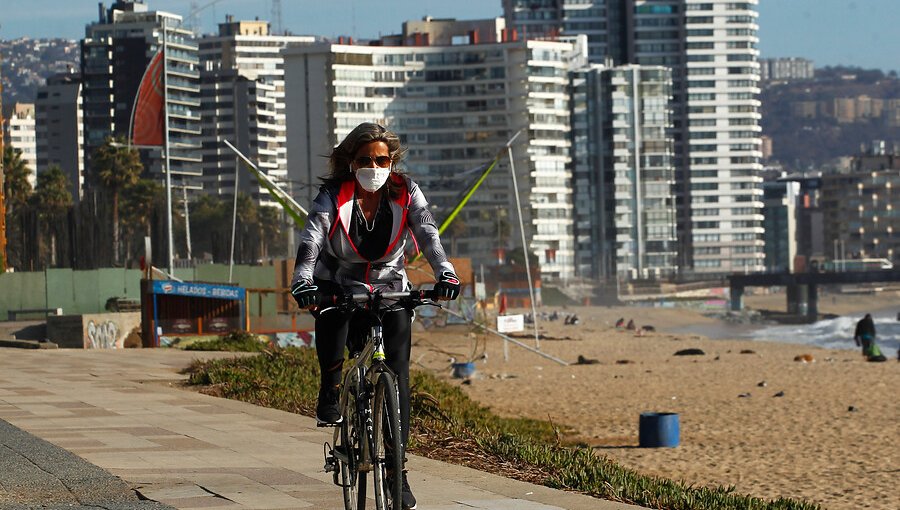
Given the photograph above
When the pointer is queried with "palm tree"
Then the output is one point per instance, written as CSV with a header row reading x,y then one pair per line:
x,y
211,222
116,166
248,229
16,191
51,195
51,199
16,188
139,201
271,225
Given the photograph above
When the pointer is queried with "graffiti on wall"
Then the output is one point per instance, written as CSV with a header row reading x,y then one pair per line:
x,y
296,339
109,330
103,335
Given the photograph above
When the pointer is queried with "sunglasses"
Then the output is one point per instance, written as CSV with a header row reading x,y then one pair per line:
x,y
379,161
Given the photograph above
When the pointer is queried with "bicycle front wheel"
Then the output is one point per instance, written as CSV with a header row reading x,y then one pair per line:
x,y
353,482
387,455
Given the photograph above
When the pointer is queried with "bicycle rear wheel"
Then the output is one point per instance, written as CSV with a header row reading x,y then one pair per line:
x,y
387,455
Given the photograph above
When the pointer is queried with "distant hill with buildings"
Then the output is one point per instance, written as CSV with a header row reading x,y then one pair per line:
x,y
27,62
812,122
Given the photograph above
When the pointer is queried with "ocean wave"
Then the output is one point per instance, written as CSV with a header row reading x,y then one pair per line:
x,y
833,333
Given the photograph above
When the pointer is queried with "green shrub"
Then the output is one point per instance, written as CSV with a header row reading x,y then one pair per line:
x,y
447,425
236,341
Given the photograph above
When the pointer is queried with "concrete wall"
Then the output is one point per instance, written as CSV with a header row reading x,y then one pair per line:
x,y
93,331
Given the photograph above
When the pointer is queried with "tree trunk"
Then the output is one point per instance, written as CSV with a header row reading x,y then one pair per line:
x,y
116,227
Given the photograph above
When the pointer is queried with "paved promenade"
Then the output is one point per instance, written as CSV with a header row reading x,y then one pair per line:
x,y
122,411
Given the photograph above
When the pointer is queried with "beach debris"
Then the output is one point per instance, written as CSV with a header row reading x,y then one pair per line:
x,y
717,358
779,394
586,361
852,409
541,336
747,351
467,382
648,328
805,358
744,395
503,376
690,352
624,362
571,320
762,384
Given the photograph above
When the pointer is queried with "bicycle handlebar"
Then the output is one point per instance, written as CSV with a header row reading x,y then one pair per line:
x,y
412,295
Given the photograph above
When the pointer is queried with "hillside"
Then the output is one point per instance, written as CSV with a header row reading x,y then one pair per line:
x,y
26,64
813,122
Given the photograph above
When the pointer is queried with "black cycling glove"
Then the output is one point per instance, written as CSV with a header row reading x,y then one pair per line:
x,y
447,286
306,294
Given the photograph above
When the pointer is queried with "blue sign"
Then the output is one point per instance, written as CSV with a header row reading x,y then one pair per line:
x,y
204,290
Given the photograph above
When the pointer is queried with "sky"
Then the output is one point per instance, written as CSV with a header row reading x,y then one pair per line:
x,y
830,32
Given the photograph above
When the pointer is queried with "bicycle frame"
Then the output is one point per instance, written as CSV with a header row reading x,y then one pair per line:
x,y
355,434
360,378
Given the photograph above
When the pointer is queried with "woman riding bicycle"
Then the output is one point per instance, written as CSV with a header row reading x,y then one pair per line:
x,y
354,242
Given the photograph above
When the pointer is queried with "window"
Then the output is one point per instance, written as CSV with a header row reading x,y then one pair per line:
x,y
656,9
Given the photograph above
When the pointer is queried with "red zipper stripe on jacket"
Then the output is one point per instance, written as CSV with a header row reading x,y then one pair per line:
x,y
334,225
402,224
412,236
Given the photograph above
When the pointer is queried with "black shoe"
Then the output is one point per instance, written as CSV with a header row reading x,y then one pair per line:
x,y
409,501
328,411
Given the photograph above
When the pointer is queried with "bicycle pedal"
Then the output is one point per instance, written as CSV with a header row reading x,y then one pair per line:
x,y
330,464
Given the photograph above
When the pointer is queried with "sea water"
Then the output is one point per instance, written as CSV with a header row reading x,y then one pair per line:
x,y
830,333
835,333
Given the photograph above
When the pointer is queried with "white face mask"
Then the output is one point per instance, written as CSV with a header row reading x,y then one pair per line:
x,y
372,179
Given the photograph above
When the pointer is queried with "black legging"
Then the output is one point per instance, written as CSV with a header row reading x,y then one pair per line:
x,y
332,328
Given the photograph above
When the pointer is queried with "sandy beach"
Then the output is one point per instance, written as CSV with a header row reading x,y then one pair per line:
x,y
807,443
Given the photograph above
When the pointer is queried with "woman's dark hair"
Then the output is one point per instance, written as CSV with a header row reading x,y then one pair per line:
x,y
365,133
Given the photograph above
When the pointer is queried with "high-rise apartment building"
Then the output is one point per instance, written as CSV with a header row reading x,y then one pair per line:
x,y
624,172
60,135
781,220
242,101
455,107
860,208
786,69
711,48
115,54
20,135
725,192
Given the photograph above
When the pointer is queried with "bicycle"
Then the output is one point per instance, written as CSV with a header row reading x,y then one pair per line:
x,y
368,438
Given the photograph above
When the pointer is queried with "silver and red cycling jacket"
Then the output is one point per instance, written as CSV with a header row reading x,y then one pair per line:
x,y
326,252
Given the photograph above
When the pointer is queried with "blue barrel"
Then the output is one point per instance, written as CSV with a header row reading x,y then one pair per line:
x,y
463,370
659,430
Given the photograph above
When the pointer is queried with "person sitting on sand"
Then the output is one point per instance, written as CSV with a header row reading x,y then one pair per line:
x,y
620,323
631,326
864,336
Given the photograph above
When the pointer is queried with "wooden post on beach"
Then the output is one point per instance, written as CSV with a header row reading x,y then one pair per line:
x,y
812,300
737,298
